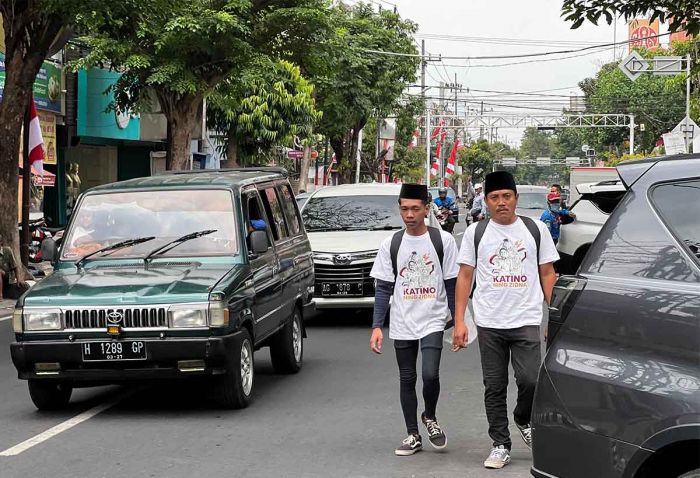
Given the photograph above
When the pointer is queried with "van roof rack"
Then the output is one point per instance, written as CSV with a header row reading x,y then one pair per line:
x,y
256,169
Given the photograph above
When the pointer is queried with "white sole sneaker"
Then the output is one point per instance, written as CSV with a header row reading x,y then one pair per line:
x,y
496,465
408,452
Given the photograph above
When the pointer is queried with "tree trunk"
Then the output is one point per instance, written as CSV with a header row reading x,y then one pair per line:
x,y
181,114
232,148
21,68
305,164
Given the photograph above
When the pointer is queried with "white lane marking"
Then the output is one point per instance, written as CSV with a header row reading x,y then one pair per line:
x,y
5,318
459,234
62,427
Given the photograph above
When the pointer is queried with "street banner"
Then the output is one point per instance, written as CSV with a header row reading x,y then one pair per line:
x,y
47,121
674,143
643,34
47,86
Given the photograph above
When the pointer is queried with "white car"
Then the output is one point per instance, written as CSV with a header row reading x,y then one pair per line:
x,y
346,225
595,204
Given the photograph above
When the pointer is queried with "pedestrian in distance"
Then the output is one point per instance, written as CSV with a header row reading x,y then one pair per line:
x,y
507,261
554,216
417,269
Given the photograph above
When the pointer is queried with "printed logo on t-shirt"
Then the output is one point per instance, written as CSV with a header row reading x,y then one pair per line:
x,y
506,264
418,279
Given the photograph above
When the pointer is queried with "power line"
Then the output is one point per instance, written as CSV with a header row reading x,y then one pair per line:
x,y
505,57
502,41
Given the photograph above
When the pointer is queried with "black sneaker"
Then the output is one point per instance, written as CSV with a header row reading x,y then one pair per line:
x,y
412,444
436,436
526,434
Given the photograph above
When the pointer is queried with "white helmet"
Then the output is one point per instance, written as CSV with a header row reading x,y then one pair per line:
x,y
478,186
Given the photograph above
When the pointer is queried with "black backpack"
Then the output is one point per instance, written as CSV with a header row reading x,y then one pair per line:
x,y
479,234
435,238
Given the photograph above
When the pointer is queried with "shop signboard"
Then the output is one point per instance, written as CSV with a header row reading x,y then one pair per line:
x,y
47,86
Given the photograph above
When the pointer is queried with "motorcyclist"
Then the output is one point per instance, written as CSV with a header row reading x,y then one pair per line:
x,y
478,210
443,201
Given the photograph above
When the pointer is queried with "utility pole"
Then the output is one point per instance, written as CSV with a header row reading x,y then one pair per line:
x,y
443,110
427,146
687,104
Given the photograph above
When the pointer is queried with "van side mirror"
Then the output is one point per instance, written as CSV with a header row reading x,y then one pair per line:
x,y
49,250
258,242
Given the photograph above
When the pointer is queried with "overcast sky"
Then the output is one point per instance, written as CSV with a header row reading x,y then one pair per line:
x,y
510,19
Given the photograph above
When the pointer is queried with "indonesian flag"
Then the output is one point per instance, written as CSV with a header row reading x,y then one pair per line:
x,y
438,151
451,169
435,167
327,172
36,142
437,129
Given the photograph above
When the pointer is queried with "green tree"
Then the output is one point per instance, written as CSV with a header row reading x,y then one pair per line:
x,y
34,30
682,14
180,50
267,105
477,159
360,84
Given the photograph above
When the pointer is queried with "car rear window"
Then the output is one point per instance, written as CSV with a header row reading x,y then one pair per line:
x,y
677,205
606,201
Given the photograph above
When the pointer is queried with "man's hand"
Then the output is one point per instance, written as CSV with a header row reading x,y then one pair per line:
x,y
460,336
375,342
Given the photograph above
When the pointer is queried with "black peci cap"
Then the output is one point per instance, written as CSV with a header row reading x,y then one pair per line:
x,y
414,191
499,180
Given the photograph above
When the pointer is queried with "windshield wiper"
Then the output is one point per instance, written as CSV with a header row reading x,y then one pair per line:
x,y
174,243
119,245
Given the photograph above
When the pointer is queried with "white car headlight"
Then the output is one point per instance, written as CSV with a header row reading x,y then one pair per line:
x,y
41,319
188,315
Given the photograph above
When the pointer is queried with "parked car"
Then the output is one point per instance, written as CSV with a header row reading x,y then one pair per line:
x,y
346,225
301,199
171,276
618,394
532,200
596,201
434,192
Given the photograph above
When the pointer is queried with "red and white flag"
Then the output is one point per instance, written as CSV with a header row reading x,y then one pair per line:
x,y
451,163
36,141
438,152
437,129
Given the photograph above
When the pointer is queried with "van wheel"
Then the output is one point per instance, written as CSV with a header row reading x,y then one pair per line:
x,y
49,394
287,347
236,385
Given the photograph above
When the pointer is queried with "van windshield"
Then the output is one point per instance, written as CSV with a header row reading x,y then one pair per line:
x,y
342,213
106,219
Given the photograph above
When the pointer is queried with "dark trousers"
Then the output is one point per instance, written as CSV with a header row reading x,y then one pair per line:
x,y
498,347
406,357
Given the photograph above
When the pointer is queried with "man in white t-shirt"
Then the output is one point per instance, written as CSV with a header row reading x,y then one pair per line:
x,y
417,269
514,262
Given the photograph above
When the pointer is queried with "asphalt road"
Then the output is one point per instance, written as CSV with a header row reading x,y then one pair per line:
x,y
339,416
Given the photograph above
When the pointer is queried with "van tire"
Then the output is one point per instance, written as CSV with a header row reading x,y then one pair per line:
x,y
50,394
287,346
235,387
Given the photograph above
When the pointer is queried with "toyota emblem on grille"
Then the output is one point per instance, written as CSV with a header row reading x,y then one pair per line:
x,y
115,317
342,259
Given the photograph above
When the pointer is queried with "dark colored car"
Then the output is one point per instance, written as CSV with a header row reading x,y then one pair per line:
x,y
618,394
171,276
451,194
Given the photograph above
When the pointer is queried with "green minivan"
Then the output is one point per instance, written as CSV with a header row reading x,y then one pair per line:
x,y
177,275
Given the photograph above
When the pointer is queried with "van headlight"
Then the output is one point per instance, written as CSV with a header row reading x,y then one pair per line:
x,y
188,315
40,319
218,314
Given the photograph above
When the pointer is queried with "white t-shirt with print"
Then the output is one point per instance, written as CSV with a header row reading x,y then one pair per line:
x,y
419,304
508,293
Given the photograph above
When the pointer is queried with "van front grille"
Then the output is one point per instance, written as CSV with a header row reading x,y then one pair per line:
x,y
131,317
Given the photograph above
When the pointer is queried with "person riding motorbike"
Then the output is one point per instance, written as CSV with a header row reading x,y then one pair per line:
x,y
445,204
478,210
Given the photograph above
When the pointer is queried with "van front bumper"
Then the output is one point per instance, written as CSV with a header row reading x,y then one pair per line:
x,y
162,357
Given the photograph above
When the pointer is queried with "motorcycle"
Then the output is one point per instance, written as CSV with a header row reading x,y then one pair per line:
x,y
38,233
443,217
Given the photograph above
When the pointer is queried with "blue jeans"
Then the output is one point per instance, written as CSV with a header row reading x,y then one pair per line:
x,y
406,357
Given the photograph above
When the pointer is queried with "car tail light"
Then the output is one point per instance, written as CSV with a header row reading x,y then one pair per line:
x,y
565,294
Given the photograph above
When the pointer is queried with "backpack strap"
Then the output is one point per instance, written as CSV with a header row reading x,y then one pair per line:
x,y
436,239
478,235
394,250
535,231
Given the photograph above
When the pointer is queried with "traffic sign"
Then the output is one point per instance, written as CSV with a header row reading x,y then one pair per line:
x,y
634,65
668,65
691,131
295,154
